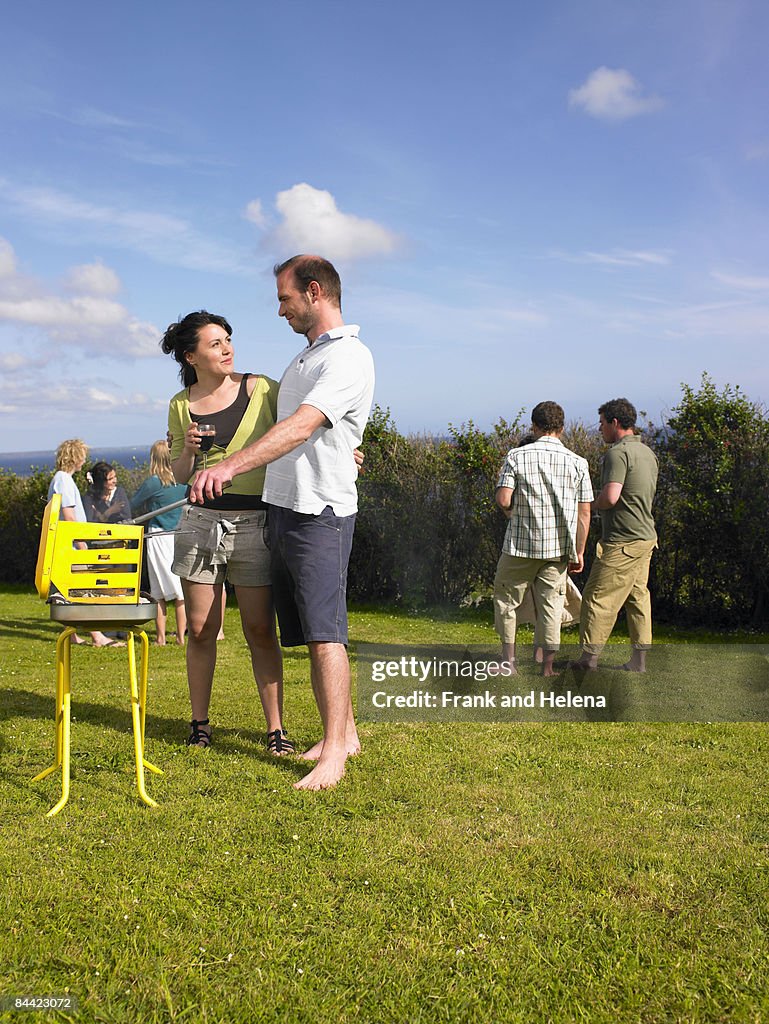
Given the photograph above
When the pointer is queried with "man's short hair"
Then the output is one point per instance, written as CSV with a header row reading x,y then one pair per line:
x,y
548,416
314,268
621,410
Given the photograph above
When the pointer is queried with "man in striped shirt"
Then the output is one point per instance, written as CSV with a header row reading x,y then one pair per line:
x,y
544,490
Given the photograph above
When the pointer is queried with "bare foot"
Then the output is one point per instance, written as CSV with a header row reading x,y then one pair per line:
x,y
160,643
548,663
325,775
110,643
353,748
502,668
313,753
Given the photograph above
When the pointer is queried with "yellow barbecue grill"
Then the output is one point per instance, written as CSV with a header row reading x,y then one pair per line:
x,y
90,574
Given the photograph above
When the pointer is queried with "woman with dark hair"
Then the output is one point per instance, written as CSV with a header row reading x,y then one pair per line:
x,y
224,538
105,501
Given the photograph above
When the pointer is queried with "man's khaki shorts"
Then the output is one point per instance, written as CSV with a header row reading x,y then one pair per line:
x,y
212,546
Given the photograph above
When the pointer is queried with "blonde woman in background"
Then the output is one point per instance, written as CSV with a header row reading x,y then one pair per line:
x,y
70,458
157,491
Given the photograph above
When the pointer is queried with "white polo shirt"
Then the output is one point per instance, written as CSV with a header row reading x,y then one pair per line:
x,y
335,375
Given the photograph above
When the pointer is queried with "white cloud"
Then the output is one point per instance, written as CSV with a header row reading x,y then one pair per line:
x,y
143,153
255,213
91,117
612,94
13,284
743,283
734,322
93,279
65,398
98,397
7,258
628,258
60,314
618,258
165,238
12,360
88,320
312,222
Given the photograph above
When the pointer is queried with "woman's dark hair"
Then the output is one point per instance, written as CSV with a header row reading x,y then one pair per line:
x,y
99,473
182,337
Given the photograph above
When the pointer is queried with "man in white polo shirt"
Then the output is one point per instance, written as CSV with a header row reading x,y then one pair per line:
x,y
323,404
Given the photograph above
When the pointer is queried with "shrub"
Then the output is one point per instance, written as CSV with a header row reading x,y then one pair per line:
x,y
22,503
428,529
713,564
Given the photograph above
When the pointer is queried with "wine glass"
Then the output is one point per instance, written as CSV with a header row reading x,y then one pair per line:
x,y
207,433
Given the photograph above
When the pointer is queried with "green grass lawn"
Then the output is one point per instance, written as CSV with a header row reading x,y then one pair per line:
x,y
462,872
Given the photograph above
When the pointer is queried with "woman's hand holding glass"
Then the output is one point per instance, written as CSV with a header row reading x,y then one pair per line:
x,y
199,439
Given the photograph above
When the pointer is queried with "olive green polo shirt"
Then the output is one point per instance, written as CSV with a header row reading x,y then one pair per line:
x,y
634,465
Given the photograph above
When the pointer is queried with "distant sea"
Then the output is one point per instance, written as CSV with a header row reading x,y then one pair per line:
x,y
26,463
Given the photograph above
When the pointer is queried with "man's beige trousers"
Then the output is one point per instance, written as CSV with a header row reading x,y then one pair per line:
x,y
618,577
548,584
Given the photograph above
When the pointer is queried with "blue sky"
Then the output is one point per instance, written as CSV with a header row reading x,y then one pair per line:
x,y
560,201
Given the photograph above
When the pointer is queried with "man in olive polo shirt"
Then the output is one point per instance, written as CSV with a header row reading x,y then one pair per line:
x,y
620,571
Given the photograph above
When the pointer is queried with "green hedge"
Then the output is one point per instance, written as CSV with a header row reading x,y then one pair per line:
x,y
713,510
429,531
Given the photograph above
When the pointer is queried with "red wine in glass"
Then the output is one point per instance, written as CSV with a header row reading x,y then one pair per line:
x,y
207,432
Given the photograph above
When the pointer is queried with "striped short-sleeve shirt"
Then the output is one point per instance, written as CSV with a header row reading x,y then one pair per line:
x,y
548,482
